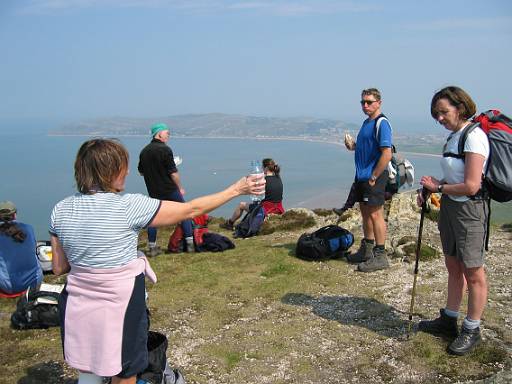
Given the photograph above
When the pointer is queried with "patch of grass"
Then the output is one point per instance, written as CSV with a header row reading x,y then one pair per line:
x,y
406,239
432,215
507,227
426,252
490,353
232,359
278,269
323,212
288,221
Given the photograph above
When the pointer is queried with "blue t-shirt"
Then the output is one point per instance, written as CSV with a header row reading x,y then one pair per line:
x,y
19,267
368,147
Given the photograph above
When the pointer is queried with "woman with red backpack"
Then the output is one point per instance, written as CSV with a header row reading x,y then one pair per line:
x,y
462,219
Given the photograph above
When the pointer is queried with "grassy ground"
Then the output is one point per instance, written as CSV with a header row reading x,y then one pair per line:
x,y
257,314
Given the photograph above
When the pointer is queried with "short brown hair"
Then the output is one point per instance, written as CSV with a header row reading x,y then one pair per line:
x,y
458,98
371,92
98,163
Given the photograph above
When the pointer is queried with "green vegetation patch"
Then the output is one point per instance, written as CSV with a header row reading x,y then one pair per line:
x,y
426,252
433,215
288,221
278,268
507,227
429,353
323,212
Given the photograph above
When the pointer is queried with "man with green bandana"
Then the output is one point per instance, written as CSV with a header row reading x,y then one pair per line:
x,y
156,164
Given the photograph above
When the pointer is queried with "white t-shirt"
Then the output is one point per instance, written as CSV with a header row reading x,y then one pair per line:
x,y
101,230
453,168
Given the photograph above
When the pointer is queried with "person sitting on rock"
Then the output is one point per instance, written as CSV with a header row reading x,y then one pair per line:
x,y
19,267
273,201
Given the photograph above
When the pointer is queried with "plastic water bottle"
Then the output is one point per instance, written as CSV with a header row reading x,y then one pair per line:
x,y
258,171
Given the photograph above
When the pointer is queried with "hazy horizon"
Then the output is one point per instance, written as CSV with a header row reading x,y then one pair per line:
x,y
10,126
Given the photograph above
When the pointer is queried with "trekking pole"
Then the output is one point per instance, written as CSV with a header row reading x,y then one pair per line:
x,y
424,194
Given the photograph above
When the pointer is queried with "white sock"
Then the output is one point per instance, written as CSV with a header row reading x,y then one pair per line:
x,y
89,378
152,245
449,312
470,323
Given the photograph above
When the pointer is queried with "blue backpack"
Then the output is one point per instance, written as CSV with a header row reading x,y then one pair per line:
x,y
252,221
328,242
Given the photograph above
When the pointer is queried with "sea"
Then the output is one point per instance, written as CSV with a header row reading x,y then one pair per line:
x,y
37,170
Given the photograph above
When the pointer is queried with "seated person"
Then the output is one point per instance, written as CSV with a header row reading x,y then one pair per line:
x,y
19,267
273,201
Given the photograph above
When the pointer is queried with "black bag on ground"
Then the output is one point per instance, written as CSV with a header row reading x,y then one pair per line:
x,y
36,309
327,242
215,242
158,370
252,221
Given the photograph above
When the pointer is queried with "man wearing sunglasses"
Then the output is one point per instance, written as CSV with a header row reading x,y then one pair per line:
x,y
372,155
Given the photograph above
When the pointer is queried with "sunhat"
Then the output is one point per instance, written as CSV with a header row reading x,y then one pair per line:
x,y
7,209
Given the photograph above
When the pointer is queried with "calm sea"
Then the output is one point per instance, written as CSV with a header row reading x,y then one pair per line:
x,y
37,170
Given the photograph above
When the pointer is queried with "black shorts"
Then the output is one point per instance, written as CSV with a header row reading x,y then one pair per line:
x,y
375,195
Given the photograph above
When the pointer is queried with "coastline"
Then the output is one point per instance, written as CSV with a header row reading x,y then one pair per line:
x,y
283,138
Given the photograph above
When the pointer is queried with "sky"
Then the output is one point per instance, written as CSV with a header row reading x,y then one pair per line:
x,y
80,59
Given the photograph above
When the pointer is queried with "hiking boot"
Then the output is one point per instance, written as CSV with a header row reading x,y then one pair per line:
x,y
154,251
465,342
365,252
444,325
379,261
339,211
228,224
189,241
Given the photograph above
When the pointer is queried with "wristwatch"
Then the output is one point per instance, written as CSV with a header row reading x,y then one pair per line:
x,y
373,178
440,188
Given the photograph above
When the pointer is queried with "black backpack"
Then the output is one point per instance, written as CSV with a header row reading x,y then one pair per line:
x,y
158,370
32,313
252,221
327,242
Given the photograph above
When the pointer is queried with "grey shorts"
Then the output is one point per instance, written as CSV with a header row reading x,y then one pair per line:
x,y
462,226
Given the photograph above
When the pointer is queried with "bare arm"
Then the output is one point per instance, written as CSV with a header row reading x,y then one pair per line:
x,y
60,264
385,157
474,164
173,212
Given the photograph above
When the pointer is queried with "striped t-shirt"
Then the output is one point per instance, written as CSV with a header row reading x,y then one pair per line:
x,y
101,230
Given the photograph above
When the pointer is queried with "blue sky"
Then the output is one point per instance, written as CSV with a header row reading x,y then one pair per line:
x,y
74,59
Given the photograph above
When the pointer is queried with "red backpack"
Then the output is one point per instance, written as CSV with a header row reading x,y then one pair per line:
x,y
498,173
497,178
200,227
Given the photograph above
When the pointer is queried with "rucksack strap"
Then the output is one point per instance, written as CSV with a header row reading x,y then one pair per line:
x,y
378,121
488,227
462,142
464,137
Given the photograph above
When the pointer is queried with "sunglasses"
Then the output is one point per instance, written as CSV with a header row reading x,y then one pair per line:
x,y
369,102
